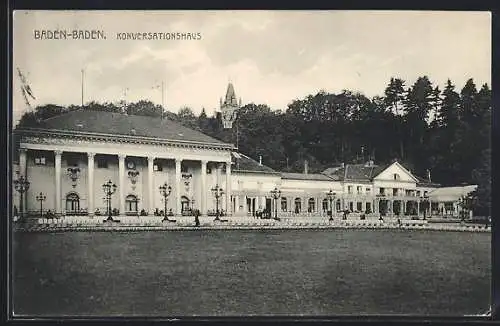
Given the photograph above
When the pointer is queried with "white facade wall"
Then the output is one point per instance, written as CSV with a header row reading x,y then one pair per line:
x,y
248,191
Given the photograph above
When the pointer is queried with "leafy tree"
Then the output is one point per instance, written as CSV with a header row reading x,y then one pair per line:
x,y
146,108
394,95
187,118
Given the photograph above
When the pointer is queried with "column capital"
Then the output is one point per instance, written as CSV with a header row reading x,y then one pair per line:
x,y
178,160
91,155
23,150
151,159
58,152
204,162
122,156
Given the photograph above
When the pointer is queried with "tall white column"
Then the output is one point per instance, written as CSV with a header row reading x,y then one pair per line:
x,y
178,185
90,183
237,203
23,171
121,182
203,193
228,188
57,163
151,185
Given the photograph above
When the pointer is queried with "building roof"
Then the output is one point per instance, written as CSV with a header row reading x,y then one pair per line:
x,y
365,172
87,121
422,182
304,176
451,193
357,172
243,163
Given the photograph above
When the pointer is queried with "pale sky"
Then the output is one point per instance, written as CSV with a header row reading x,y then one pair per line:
x,y
272,57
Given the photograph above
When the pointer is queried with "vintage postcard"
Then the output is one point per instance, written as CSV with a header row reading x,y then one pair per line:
x,y
250,163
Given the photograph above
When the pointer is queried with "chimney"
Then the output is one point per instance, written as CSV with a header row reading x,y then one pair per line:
x,y
306,167
342,165
260,159
429,175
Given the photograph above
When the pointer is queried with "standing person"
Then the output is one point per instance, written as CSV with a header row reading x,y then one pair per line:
x,y
196,217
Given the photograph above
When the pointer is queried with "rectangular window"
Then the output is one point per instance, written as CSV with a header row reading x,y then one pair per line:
x,y
418,193
359,206
395,191
102,163
368,190
359,189
184,168
349,189
368,208
40,160
382,191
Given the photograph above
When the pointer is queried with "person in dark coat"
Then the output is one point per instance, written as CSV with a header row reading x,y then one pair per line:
x,y
196,217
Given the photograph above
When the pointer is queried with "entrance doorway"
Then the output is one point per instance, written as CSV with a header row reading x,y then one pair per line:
x,y
185,207
251,206
268,208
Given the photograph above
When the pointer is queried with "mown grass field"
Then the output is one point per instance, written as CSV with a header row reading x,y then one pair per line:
x,y
234,273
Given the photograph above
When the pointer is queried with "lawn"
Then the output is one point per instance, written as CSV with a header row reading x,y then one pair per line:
x,y
234,273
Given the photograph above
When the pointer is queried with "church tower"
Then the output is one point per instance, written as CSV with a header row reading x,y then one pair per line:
x,y
229,107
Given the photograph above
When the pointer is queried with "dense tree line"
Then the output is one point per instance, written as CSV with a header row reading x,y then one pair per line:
x,y
444,131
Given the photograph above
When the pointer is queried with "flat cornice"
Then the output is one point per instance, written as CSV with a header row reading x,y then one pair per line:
x,y
120,138
256,172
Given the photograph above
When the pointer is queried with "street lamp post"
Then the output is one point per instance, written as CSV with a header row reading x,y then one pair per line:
x,y
21,185
218,192
165,191
276,193
41,198
109,189
331,196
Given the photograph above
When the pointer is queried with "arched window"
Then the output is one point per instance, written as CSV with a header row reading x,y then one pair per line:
x,y
185,204
311,205
72,203
298,205
283,204
324,205
131,203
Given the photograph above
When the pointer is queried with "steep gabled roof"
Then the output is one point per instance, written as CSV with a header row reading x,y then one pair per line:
x,y
87,121
354,172
243,163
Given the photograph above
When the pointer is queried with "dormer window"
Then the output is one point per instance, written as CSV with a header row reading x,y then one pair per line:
x,y
40,160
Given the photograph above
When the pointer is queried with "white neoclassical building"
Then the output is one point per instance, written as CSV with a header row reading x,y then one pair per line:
x,y
68,158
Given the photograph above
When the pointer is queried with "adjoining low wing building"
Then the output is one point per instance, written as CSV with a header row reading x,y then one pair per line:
x,y
68,159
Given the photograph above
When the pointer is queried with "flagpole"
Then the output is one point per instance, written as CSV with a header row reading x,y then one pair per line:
x,y
162,98
82,86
